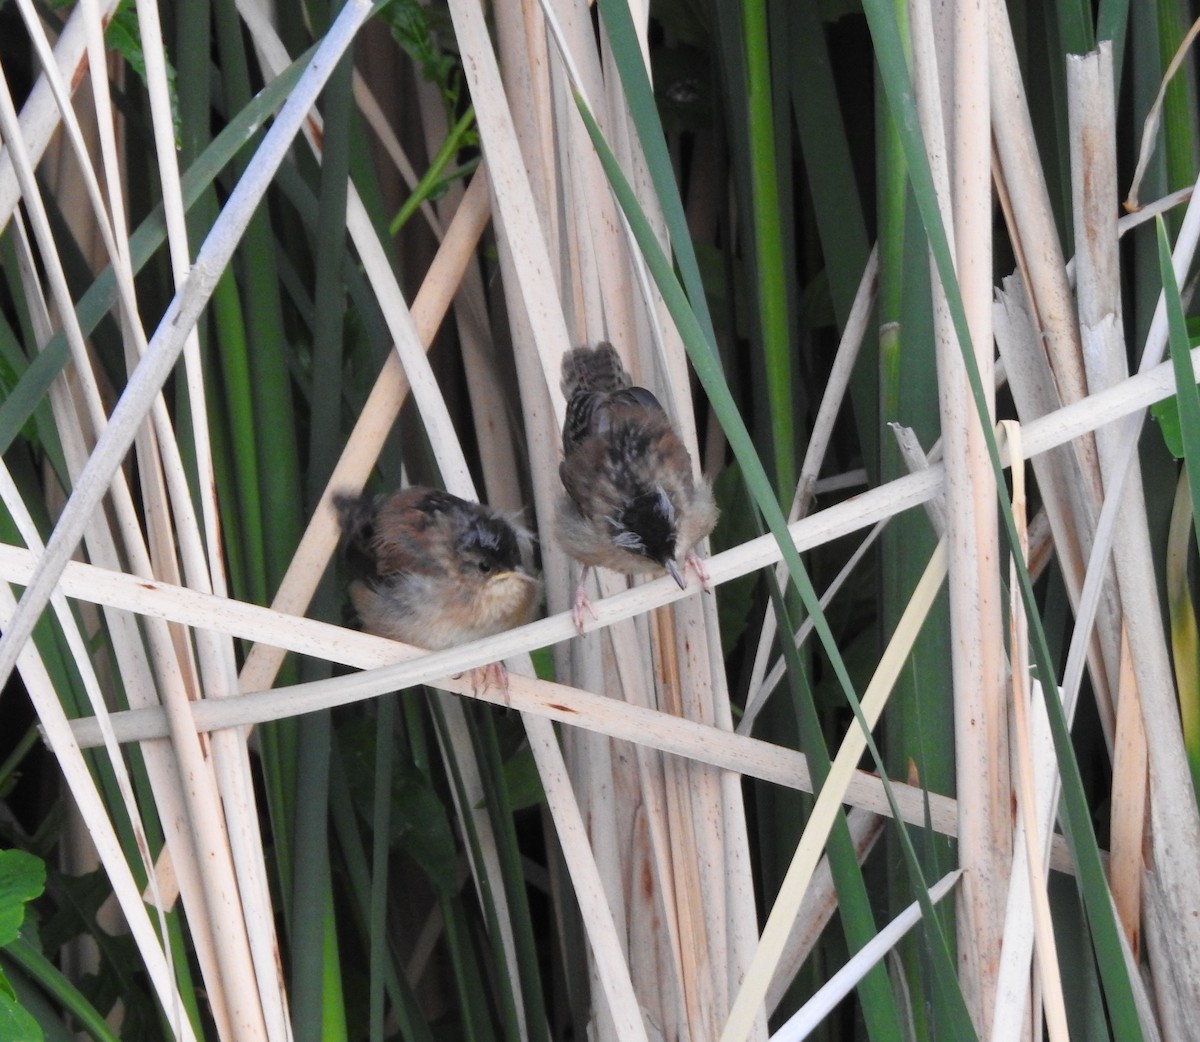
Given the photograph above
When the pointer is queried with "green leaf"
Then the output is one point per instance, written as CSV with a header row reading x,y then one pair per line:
x,y
22,878
16,1025
1166,412
417,824
1166,415
124,36
420,30
1187,397
522,780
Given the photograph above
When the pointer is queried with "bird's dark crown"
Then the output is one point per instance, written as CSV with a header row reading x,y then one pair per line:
x,y
484,540
490,544
646,526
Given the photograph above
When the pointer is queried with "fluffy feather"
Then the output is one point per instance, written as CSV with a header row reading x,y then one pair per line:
x,y
433,570
631,503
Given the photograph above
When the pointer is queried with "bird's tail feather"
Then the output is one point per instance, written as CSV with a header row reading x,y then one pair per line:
x,y
596,369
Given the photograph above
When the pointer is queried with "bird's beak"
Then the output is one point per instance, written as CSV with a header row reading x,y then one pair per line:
x,y
513,573
673,568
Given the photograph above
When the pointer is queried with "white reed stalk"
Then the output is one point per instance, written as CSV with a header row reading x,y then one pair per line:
x,y
1091,111
960,159
40,116
79,652
1033,901
93,811
1064,489
177,244
1032,385
181,315
828,803
806,1019
219,670
819,904
127,642
1175,823
512,199
556,702
1034,232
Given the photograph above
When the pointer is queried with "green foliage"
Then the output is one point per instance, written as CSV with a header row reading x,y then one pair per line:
x,y
418,823
1166,416
16,1025
522,781
425,34
1188,403
124,36
1166,412
22,878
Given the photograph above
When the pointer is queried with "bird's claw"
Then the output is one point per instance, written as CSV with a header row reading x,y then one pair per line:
x,y
582,601
494,674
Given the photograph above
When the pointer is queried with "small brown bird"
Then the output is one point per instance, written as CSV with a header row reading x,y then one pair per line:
x,y
631,503
434,570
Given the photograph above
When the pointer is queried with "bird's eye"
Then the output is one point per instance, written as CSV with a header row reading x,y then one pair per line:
x,y
485,567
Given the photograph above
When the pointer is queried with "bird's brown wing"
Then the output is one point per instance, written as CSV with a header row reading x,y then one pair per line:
x,y
409,535
637,397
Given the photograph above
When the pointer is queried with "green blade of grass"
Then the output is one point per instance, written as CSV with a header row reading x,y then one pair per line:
x,y
627,55
1186,393
1179,104
404,1004
1185,634
1188,398
829,164
878,1004
69,997
1075,27
770,280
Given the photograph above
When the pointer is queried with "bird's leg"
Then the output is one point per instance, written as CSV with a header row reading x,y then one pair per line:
x,y
582,601
694,561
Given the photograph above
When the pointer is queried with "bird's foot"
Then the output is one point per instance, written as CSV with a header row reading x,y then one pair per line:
x,y
696,564
493,675
582,602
